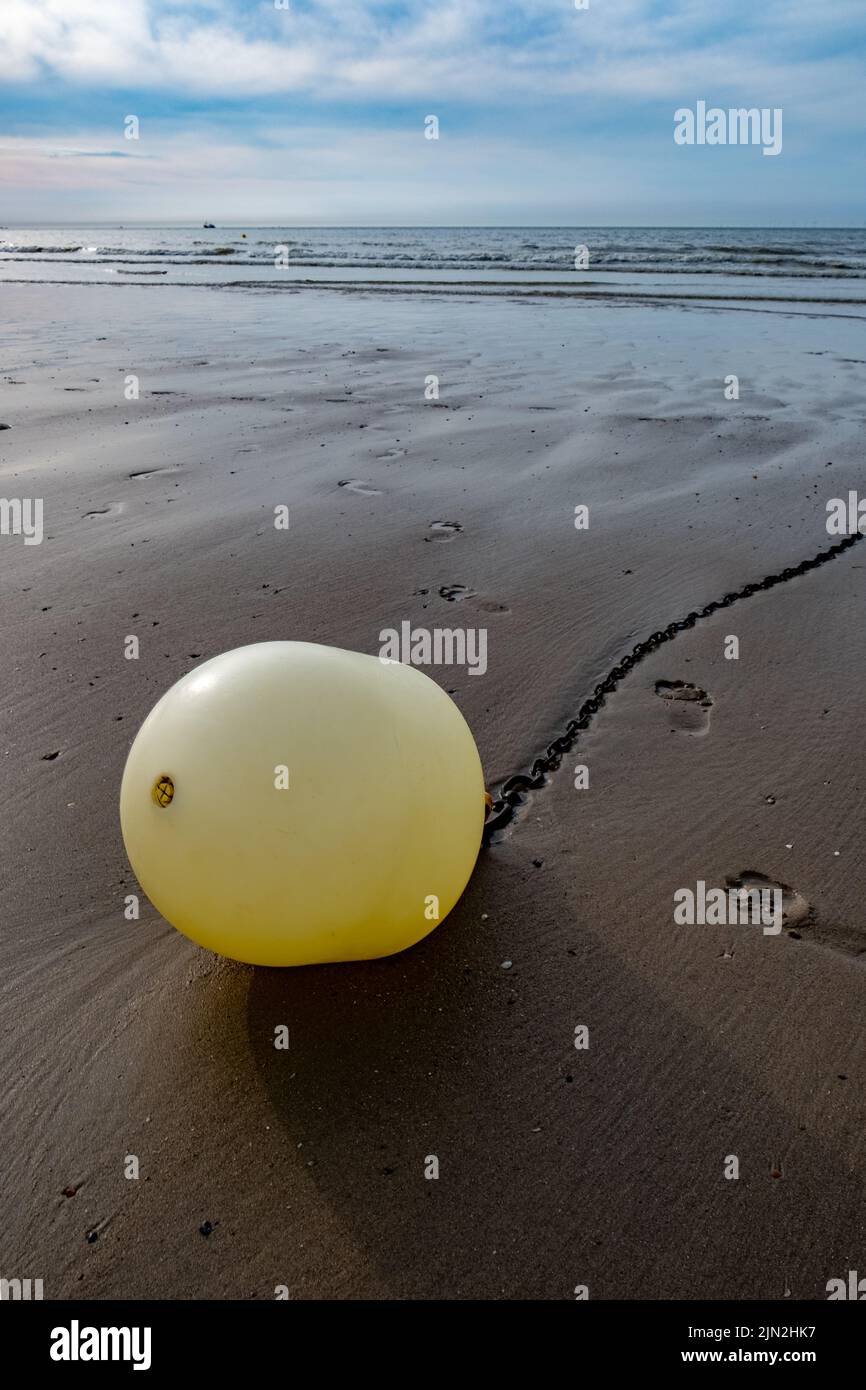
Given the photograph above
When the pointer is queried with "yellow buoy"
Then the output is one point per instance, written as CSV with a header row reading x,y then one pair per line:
x,y
287,804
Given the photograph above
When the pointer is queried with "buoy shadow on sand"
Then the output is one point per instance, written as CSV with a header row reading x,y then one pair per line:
x,y
385,1059
439,1051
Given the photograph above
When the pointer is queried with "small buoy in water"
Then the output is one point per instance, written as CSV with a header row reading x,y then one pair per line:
x,y
288,804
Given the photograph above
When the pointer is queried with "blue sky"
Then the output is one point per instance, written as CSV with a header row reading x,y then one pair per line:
x,y
315,113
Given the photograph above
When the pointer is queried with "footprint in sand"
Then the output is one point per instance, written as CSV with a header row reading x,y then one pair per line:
x,y
444,531
802,921
689,706
455,592
796,911
358,485
113,509
150,472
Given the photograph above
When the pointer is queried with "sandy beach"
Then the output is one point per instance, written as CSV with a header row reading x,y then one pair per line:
x,y
558,1167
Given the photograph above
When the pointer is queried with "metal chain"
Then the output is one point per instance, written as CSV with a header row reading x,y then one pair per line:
x,y
512,793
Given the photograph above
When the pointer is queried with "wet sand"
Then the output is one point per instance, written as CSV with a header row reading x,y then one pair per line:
x,y
558,1167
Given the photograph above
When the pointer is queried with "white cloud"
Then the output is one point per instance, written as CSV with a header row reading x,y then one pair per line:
x,y
474,50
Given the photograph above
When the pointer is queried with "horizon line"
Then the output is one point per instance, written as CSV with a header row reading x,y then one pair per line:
x,y
195,225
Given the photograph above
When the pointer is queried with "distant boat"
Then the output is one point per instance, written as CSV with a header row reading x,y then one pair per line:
x,y
208,224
